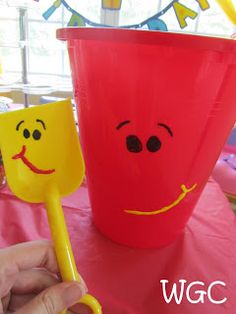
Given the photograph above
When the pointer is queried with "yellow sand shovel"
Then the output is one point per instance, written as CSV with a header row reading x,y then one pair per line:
x,y
43,161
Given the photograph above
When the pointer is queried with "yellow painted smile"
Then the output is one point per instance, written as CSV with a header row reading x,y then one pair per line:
x,y
164,209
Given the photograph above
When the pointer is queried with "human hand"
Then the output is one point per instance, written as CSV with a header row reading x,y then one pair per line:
x,y
29,283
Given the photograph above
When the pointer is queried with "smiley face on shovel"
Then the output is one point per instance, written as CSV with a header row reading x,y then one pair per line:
x,y
36,135
40,146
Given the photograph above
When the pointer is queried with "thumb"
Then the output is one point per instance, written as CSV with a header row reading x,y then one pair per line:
x,y
54,299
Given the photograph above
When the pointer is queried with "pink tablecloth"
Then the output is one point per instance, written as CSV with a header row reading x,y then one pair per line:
x,y
127,281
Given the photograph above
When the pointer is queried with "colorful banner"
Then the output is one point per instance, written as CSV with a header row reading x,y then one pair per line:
x,y
182,13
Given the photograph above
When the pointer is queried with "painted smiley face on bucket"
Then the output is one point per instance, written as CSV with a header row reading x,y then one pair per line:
x,y
36,135
153,145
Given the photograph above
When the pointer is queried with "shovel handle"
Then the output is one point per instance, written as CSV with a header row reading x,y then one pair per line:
x,y
62,246
91,302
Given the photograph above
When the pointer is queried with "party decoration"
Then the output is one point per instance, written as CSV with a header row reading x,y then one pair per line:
x,y
111,4
40,168
52,9
157,24
182,12
153,23
76,21
204,5
229,8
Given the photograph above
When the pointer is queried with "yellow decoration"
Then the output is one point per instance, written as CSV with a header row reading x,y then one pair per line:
x,y
57,3
204,4
182,12
43,161
111,4
229,8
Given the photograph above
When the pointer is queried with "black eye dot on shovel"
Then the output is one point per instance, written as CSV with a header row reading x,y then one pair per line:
x,y
26,133
37,135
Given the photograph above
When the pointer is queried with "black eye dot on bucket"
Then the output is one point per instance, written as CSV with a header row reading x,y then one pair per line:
x,y
153,144
26,133
36,135
133,144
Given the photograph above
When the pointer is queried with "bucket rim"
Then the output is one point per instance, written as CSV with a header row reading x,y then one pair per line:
x,y
148,37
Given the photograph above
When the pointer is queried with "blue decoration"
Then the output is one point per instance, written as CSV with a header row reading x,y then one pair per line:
x,y
157,24
52,9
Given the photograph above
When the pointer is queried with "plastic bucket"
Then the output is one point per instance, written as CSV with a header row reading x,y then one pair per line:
x,y
154,112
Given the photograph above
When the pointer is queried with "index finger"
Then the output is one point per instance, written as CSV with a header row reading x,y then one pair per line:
x,y
29,255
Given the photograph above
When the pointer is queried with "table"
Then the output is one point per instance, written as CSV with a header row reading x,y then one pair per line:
x,y
127,280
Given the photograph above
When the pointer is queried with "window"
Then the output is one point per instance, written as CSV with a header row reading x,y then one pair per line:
x,y
47,57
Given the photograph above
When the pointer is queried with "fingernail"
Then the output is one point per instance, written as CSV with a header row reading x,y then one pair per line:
x,y
73,293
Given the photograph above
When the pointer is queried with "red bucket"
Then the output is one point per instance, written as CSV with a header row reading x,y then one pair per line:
x,y
154,112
